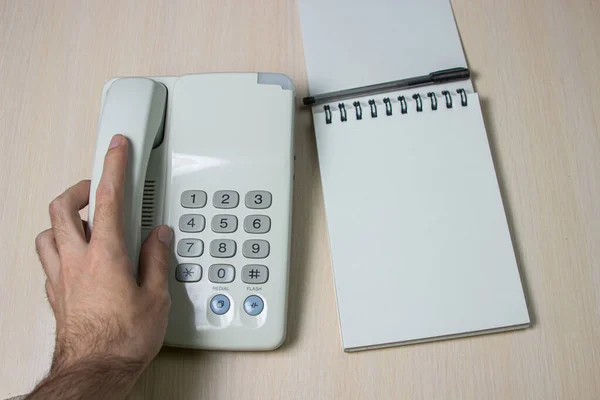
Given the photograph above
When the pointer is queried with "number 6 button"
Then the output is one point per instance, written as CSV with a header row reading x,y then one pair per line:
x,y
257,224
255,249
258,199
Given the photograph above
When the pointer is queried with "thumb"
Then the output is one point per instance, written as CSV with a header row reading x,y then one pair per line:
x,y
154,259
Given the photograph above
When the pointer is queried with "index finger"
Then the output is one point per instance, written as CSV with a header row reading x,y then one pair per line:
x,y
108,213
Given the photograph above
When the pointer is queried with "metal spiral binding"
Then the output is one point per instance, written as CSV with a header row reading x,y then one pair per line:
x,y
343,115
403,105
358,109
373,108
327,113
388,106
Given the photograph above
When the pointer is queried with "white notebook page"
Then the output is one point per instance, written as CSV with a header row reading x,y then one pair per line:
x,y
350,44
419,240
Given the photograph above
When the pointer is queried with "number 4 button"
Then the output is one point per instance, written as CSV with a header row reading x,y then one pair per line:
x,y
191,223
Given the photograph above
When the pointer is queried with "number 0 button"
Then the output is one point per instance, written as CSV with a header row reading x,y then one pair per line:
x,y
226,199
191,223
258,199
221,273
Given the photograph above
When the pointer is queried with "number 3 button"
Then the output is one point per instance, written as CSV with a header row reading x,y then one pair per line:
x,y
258,199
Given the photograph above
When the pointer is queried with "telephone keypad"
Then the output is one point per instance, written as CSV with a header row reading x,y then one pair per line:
x,y
224,223
191,223
226,199
257,225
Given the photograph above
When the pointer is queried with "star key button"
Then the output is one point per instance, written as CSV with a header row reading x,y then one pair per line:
x,y
188,272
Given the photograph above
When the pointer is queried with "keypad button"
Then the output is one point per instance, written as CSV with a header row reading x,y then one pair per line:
x,y
221,273
193,199
255,273
188,272
226,199
220,304
224,223
255,249
222,248
253,305
191,223
190,247
257,224
258,199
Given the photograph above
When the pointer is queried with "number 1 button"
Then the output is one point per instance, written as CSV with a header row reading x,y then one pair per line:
x,y
193,199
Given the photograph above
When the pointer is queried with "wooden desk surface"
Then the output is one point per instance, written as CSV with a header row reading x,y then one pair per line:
x,y
537,69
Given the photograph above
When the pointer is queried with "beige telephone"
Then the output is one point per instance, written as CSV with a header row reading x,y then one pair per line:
x,y
211,155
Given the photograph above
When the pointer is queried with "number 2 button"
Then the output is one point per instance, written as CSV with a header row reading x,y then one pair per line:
x,y
191,223
226,199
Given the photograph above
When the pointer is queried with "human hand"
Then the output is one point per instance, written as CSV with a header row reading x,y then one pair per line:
x,y
104,319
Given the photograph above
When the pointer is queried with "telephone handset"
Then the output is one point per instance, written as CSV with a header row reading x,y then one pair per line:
x,y
210,155
136,108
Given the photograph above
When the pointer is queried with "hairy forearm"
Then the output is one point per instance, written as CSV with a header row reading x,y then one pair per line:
x,y
92,379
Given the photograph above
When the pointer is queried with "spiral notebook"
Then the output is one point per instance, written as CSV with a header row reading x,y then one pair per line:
x,y
419,240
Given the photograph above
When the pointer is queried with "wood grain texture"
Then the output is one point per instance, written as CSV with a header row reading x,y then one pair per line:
x,y
536,64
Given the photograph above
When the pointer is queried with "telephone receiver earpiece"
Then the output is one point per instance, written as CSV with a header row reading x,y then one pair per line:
x,y
135,108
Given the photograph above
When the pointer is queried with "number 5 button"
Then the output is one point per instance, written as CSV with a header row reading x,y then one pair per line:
x,y
224,223
257,224
191,223
258,199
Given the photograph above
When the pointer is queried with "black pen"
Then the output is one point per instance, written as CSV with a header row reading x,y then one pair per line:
x,y
442,76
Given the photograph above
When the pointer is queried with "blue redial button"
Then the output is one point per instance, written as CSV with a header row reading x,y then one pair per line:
x,y
220,304
253,305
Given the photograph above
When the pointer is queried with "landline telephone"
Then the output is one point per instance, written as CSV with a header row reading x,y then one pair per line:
x,y
210,155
